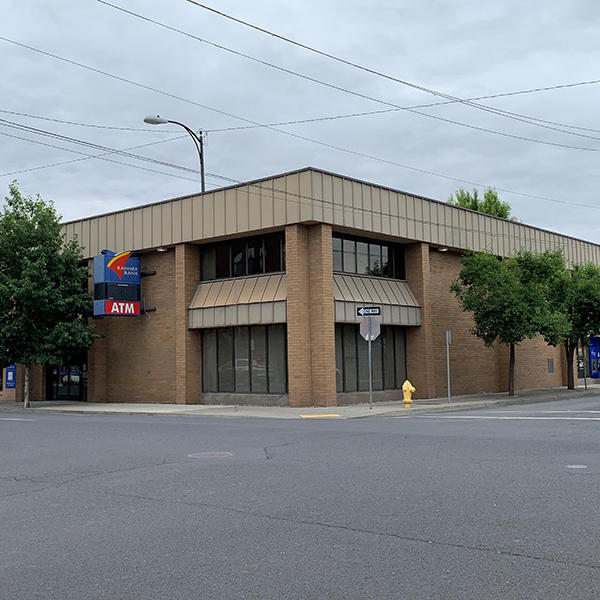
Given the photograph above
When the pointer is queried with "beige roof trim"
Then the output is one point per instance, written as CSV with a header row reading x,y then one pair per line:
x,y
255,300
313,195
398,304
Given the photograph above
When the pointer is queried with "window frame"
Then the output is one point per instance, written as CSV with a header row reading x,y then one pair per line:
x,y
267,367
229,245
395,255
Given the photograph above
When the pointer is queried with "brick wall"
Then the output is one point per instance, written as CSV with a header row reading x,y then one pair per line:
x,y
188,357
419,340
473,367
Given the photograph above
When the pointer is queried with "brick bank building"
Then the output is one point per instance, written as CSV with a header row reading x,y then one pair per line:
x,y
249,294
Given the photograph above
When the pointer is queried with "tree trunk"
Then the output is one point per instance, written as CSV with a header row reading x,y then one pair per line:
x,y
26,392
511,371
569,349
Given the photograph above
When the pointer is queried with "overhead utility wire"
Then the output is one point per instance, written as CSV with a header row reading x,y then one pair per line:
x,y
371,98
262,188
282,131
74,160
17,137
101,156
454,99
112,127
365,114
72,140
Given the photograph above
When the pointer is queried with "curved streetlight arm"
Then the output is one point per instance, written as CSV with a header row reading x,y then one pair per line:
x,y
157,120
199,146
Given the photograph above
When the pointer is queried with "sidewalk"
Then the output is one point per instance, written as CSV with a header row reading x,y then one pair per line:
x,y
387,409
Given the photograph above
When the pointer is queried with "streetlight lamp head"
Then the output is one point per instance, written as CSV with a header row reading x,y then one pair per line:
x,y
155,120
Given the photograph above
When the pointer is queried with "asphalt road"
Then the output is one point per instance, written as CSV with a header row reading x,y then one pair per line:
x,y
486,504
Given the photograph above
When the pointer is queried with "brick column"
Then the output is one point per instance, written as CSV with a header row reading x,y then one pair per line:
x,y
322,325
188,357
98,367
419,340
310,316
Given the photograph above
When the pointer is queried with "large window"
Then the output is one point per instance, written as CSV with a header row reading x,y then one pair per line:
x,y
367,257
388,353
247,256
245,360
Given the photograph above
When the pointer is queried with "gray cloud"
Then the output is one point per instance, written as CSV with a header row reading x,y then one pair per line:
x,y
465,49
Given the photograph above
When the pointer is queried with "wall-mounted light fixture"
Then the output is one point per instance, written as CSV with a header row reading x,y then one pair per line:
x,y
442,249
162,249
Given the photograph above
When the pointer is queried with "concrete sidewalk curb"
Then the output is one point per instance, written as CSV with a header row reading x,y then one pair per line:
x,y
345,412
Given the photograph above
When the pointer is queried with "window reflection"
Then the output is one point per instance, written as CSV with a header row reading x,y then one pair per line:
x,y
367,257
251,256
351,359
245,359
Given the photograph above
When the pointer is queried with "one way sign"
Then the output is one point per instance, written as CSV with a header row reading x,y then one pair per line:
x,y
363,311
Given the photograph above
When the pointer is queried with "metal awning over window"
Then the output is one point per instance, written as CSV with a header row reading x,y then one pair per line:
x,y
255,300
398,304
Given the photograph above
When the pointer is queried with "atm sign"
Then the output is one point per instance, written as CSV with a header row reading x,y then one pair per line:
x,y
114,307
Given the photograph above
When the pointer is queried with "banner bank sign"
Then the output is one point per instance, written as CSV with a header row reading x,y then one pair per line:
x,y
116,284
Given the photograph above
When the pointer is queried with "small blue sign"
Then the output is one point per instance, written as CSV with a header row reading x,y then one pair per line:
x,y
11,377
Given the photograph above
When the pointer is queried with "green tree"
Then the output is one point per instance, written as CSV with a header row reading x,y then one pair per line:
x,y
490,205
576,294
509,299
44,301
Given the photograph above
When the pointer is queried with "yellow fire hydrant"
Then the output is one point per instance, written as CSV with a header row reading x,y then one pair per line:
x,y
407,390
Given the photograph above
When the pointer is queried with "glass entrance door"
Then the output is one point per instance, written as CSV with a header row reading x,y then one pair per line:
x,y
67,382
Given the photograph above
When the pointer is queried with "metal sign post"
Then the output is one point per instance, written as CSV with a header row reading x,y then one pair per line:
x,y
448,342
369,329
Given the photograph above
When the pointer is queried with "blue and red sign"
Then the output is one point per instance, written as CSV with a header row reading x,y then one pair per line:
x,y
116,268
116,284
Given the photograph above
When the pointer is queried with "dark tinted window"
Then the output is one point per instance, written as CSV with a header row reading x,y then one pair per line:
x,y
222,265
245,359
388,355
248,256
367,257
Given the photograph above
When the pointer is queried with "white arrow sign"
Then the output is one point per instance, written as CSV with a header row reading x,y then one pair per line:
x,y
368,310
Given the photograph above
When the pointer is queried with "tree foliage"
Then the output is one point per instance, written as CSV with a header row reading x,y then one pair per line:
x,y
577,296
44,301
490,205
509,298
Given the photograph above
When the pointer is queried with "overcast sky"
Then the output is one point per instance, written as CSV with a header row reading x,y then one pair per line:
x,y
465,49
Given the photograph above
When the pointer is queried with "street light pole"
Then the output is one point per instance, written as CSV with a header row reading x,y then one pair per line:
x,y
197,137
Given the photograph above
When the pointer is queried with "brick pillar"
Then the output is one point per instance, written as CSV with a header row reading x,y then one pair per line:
x,y
98,366
310,316
419,340
322,325
188,357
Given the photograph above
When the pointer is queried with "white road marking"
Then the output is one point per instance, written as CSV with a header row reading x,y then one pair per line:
x,y
210,455
595,412
576,466
508,418
14,419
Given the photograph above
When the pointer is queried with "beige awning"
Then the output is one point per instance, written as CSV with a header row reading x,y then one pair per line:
x,y
257,300
398,304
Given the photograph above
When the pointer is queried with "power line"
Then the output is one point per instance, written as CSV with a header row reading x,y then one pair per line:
x,y
111,127
453,99
72,140
67,162
390,110
101,156
379,101
288,133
